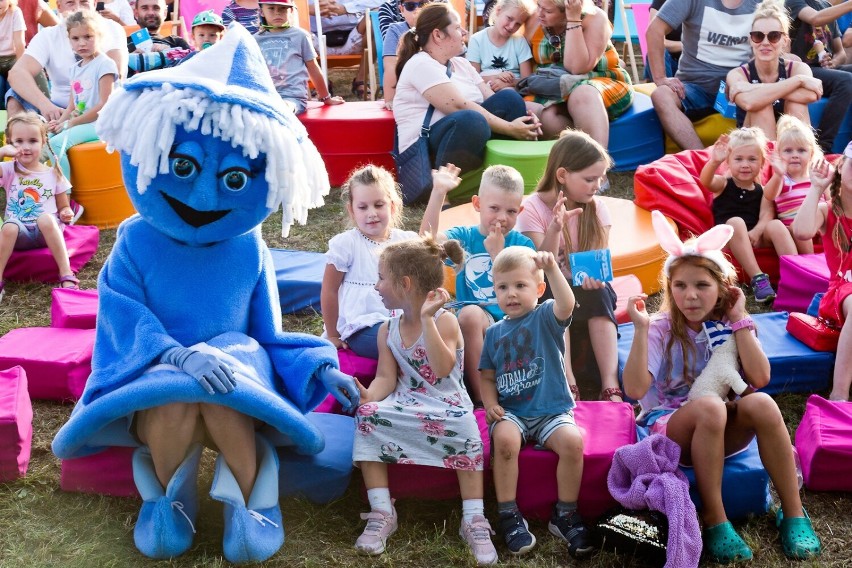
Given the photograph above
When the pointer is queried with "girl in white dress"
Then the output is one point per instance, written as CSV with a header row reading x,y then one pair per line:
x,y
417,410
352,310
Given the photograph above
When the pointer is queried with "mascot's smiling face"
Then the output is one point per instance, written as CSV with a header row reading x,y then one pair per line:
x,y
211,192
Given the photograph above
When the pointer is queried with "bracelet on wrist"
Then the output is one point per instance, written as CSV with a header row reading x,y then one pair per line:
x,y
569,28
744,323
325,98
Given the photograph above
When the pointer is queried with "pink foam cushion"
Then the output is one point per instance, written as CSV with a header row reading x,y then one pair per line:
x,y
73,308
606,426
802,276
107,473
362,368
423,482
824,443
38,264
57,361
16,424
625,286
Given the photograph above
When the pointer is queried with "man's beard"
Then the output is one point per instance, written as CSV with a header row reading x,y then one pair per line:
x,y
153,23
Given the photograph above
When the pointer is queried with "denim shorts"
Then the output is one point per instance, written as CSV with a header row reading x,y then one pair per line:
x,y
697,99
29,235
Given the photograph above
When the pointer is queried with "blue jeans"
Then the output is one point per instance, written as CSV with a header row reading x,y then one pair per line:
x,y
837,87
459,138
365,342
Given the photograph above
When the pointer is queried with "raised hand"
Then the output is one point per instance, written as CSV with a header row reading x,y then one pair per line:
x,y
446,178
721,150
779,166
736,311
496,240
545,260
637,311
822,172
435,300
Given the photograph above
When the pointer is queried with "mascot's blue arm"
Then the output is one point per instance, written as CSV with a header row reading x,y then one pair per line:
x,y
296,357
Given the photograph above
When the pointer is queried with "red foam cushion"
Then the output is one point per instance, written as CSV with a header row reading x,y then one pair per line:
x,y
74,308
38,264
625,286
16,424
824,443
606,426
57,361
107,473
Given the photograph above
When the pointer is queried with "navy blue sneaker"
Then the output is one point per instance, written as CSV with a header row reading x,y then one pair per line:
x,y
514,529
571,529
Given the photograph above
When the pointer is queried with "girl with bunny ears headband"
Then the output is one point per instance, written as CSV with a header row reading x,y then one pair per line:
x,y
668,352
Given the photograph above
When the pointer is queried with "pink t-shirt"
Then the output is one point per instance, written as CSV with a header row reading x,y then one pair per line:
x,y
537,216
29,194
420,74
12,22
790,199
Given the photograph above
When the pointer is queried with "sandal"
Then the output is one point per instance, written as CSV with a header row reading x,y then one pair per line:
x,y
360,90
607,394
723,545
75,283
798,538
575,392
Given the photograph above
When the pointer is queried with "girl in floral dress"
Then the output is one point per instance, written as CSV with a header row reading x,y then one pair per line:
x,y
417,410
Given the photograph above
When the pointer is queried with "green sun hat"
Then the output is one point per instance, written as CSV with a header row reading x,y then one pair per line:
x,y
208,18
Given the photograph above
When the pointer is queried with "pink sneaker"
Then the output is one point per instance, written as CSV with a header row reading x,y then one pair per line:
x,y
477,535
380,525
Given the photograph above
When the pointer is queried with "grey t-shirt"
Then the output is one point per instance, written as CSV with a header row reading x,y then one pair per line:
x,y
285,53
715,38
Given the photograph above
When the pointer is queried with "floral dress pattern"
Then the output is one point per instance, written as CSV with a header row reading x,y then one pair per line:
x,y
427,420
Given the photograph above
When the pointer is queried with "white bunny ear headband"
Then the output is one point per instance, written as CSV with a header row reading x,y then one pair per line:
x,y
709,245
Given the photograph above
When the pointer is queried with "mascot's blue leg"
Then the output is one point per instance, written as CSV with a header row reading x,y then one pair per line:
x,y
253,531
166,524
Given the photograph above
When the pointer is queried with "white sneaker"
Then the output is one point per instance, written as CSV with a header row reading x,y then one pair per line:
x,y
477,535
380,525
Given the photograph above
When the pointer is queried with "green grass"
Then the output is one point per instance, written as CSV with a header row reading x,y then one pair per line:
x,y
42,526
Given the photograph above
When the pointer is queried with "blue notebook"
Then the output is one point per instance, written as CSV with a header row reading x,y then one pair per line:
x,y
592,263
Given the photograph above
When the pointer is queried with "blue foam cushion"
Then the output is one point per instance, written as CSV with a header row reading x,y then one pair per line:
x,y
323,477
844,134
636,137
299,277
795,367
745,483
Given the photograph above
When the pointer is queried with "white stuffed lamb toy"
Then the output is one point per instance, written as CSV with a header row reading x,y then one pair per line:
x,y
722,371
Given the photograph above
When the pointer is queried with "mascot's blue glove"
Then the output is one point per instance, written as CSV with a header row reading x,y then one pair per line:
x,y
341,385
206,368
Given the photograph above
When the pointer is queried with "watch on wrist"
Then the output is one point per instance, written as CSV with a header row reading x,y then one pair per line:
x,y
325,98
746,322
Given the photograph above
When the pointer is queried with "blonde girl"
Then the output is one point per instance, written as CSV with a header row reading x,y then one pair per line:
x,y
92,79
738,201
352,310
670,350
36,197
497,53
417,410
768,85
12,28
833,220
572,179
795,150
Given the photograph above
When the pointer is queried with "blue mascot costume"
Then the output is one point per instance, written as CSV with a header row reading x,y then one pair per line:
x,y
189,346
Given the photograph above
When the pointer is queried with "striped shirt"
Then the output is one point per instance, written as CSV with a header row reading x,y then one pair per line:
x,y
248,17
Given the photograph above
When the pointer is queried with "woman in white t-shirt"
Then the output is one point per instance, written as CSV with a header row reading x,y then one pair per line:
x,y
119,11
467,112
12,28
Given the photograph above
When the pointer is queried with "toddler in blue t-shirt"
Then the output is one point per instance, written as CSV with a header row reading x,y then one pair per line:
x,y
526,394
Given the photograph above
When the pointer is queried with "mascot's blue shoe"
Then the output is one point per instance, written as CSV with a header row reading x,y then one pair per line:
x,y
253,532
166,524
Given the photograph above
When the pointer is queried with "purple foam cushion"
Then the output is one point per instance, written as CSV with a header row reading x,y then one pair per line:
x,y
824,443
109,472
38,264
16,424
74,308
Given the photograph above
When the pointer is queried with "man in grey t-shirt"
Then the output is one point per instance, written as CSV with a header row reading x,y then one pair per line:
x,y
715,40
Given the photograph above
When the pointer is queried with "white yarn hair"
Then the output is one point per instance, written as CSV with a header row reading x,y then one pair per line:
x,y
295,171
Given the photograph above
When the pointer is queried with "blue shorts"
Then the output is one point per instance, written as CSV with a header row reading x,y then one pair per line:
x,y
538,428
697,99
29,235
11,94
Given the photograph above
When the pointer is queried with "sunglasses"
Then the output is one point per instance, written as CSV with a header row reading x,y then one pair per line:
x,y
412,6
774,37
556,42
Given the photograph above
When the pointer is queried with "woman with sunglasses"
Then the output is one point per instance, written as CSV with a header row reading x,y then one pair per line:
x,y
576,34
409,10
433,72
768,86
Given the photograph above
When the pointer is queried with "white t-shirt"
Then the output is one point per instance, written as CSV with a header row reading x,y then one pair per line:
x,y
30,194
52,50
122,9
85,80
12,22
420,74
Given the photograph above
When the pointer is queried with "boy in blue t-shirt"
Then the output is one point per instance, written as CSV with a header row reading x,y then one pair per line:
x,y
501,192
526,394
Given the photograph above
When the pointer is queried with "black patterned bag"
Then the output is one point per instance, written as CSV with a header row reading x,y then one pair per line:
x,y
638,534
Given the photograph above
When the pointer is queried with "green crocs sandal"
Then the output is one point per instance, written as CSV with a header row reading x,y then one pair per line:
x,y
798,538
723,545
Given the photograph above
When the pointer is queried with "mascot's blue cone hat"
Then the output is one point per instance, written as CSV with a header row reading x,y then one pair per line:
x,y
224,91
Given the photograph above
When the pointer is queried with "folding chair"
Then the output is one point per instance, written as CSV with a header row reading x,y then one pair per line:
x,y
624,29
